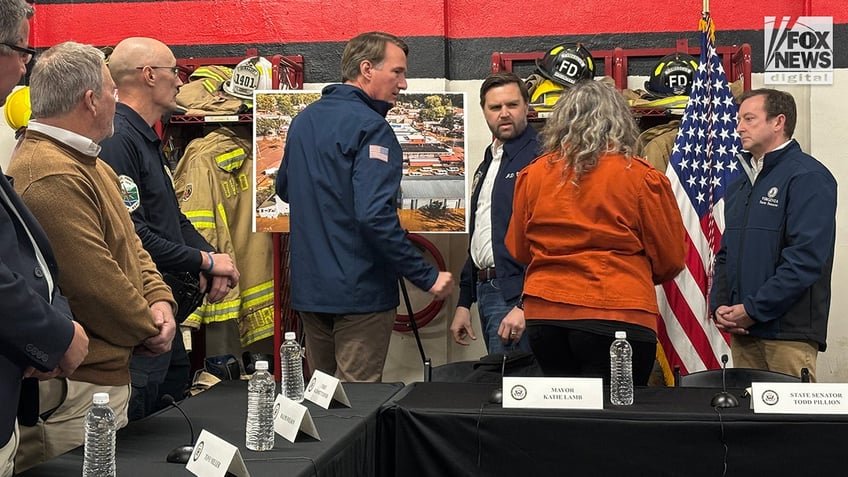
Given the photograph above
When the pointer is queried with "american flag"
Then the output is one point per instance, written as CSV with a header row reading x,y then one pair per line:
x,y
381,153
703,163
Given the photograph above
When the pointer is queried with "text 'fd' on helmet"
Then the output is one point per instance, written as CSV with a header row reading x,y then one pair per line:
x,y
673,75
567,64
251,74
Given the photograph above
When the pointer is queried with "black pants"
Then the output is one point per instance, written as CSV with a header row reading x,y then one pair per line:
x,y
566,352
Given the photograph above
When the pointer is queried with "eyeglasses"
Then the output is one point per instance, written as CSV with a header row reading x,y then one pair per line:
x,y
174,69
25,52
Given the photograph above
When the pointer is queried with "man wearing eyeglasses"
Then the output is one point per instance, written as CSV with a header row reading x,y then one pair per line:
x,y
148,81
24,52
38,337
14,54
112,285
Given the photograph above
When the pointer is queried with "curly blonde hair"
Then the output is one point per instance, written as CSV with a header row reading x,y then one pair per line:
x,y
589,120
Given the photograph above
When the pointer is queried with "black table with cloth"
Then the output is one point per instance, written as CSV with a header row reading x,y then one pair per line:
x,y
347,446
451,429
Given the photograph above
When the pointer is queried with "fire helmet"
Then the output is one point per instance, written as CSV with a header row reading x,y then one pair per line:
x,y
567,64
545,95
17,109
251,74
673,75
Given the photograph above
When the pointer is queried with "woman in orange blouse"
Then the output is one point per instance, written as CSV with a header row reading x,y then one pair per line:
x,y
597,228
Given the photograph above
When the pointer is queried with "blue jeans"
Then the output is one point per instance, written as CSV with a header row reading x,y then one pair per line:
x,y
493,308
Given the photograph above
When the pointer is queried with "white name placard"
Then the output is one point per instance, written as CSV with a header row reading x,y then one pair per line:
x,y
290,417
800,398
323,389
214,457
553,393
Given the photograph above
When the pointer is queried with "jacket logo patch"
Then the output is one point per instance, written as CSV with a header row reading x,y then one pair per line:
x,y
769,199
477,176
381,153
187,192
129,192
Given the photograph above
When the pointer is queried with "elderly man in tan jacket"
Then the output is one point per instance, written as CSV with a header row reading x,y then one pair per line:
x,y
112,285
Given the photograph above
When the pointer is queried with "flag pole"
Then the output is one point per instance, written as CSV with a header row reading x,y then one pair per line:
x,y
706,7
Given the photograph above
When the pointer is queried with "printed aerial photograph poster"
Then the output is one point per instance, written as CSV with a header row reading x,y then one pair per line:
x,y
430,127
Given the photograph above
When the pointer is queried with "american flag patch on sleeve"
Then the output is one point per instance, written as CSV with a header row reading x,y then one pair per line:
x,y
381,153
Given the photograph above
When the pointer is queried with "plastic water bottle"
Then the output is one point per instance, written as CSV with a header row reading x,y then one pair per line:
x,y
621,370
291,362
261,390
100,427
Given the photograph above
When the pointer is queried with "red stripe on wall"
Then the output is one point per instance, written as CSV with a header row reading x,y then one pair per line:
x,y
233,21
471,18
289,21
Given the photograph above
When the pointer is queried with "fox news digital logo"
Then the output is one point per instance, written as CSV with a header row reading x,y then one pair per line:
x,y
799,51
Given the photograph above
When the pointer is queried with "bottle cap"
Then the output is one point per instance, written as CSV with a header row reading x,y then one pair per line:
x,y
101,398
620,335
261,366
290,335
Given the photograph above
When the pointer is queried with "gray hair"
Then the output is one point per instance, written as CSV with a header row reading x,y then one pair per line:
x,y
589,120
369,46
62,76
12,12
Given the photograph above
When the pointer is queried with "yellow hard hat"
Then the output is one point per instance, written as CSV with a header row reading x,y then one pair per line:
x,y
17,109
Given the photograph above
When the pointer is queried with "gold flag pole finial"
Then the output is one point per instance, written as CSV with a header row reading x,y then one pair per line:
x,y
706,25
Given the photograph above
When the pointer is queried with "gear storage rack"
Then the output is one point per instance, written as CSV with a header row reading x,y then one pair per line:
x,y
290,67
616,62
181,129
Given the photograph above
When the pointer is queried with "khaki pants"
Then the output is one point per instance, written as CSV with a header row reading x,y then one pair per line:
x,y
350,347
64,429
7,453
783,356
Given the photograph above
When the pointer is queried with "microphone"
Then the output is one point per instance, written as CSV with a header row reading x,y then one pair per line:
x,y
497,394
724,398
181,454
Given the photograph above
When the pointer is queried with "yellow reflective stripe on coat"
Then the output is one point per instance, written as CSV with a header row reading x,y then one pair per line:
x,y
214,312
217,73
257,325
258,295
231,161
201,219
222,212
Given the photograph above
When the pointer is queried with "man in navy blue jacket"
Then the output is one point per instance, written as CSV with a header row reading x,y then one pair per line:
x,y
771,287
38,337
340,173
491,277
147,78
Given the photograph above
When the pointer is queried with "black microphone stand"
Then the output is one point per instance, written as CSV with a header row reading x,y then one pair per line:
x,y
724,399
414,325
181,454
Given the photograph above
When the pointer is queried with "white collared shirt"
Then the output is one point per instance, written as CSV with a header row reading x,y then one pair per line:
x,y
481,242
69,138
